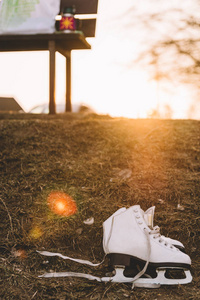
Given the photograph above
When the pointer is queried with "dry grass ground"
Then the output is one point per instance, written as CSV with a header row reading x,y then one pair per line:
x,y
103,163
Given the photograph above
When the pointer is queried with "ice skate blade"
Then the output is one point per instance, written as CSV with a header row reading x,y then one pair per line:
x,y
118,277
162,280
148,282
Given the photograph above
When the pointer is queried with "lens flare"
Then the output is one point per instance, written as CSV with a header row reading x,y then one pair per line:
x,y
20,253
61,204
36,232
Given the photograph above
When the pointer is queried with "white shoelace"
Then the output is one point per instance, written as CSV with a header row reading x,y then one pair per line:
x,y
71,274
155,231
142,272
80,261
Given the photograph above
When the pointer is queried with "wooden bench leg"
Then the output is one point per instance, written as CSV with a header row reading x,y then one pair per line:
x,y
52,70
68,106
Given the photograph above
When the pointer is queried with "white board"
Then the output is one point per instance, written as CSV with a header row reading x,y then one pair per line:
x,y
28,16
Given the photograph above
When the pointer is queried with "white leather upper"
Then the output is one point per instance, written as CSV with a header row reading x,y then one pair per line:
x,y
124,233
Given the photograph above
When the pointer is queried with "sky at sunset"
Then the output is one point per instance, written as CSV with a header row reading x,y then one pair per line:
x,y
104,78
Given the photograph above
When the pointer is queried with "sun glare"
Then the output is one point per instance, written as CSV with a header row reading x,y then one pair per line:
x,y
128,92
116,91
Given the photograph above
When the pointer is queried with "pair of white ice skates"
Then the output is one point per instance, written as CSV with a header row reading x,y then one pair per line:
x,y
138,253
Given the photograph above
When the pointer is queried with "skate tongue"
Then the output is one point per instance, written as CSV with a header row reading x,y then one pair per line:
x,y
149,216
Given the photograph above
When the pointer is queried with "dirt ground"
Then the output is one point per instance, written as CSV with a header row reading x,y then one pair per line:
x,y
103,163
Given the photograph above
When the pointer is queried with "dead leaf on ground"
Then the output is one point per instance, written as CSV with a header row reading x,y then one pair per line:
x,y
89,221
121,175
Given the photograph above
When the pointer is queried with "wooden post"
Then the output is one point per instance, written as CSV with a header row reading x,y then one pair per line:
x,y
52,72
68,107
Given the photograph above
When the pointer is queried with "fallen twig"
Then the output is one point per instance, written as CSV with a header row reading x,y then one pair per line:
x,y
11,226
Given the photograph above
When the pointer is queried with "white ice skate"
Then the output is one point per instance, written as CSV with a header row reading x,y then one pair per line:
x,y
138,253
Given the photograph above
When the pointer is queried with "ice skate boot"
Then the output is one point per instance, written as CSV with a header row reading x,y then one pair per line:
x,y
139,254
149,219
